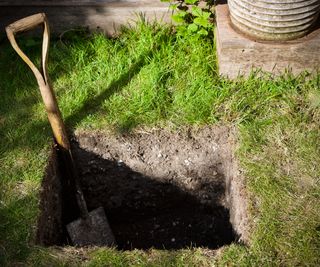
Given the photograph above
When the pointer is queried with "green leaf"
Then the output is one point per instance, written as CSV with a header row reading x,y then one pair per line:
x,y
191,2
196,11
178,18
193,27
203,32
182,13
173,6
206,14
202,22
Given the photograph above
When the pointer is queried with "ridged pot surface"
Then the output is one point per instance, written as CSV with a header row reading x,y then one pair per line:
x,y
276,20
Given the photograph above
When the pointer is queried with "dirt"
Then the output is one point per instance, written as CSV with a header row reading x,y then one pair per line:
x,y
50,227
159,189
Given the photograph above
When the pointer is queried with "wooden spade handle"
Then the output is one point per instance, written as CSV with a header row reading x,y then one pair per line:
x,y
48,97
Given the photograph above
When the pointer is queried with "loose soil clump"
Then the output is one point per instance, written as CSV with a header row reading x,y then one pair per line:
x,y
159,189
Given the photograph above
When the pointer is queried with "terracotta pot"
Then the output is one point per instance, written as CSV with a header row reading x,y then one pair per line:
x,y
274,19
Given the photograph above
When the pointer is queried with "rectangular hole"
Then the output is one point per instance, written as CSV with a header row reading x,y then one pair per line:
x,y
159,190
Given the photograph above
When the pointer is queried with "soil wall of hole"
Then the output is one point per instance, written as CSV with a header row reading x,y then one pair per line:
x,y
159,189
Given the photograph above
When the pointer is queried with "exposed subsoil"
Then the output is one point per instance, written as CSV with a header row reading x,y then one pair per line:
x,y
159,189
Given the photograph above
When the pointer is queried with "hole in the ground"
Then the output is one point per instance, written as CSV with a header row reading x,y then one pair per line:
x,y
159,190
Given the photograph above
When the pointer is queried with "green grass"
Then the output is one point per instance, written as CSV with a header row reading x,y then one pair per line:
x,y
149,78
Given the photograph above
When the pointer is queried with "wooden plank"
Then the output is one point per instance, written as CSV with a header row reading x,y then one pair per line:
x,y
90,3
107,15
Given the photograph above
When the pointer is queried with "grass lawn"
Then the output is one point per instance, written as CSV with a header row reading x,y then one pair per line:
x,y
150,78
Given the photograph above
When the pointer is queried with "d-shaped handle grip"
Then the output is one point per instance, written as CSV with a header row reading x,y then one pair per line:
x,y
26,24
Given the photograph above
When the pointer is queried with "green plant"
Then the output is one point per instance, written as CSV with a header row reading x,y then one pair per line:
x,y
193,17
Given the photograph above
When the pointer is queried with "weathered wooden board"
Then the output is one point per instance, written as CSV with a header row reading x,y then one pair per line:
x,y
238,55
107,15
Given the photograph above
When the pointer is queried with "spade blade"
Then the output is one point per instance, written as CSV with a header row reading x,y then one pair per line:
x,y
92,231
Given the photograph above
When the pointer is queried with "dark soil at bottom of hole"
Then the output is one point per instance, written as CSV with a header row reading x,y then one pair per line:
x,y
181,227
